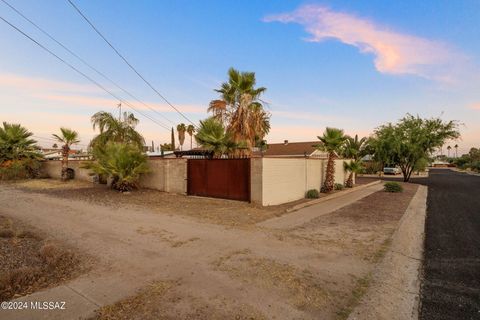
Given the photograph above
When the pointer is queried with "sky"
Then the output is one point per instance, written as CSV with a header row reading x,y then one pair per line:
x,y
353,65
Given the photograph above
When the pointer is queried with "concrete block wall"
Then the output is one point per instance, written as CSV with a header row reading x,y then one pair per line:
x,y
169,175
281,180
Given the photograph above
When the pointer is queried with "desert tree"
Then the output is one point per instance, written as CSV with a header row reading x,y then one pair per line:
x,y
410,139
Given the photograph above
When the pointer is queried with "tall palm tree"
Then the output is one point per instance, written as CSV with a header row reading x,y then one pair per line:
x,y
448,150
68,137
240,108
191,131
113,129
456,150
354,148
353,167
181,129
331,141
16,143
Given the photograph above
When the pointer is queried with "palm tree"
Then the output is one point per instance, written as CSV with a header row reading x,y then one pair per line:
x,y
113,129
172,140
212,136
16,143
354,148
68,137
191,131
240,109
181,129
448,150
353,167
123,163
456,150
331,141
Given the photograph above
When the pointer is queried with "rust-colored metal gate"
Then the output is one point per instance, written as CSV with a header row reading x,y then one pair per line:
x,y
219,178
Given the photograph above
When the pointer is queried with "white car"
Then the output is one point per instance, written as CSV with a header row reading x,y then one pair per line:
x,y
392,170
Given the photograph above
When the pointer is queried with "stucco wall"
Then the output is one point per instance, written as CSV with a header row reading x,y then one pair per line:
x,y
53,169
166,174
284,180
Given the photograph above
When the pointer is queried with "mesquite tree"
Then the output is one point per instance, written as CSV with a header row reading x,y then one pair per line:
x,y
411,139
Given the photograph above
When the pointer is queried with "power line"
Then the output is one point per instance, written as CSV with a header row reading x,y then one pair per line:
x,y
55,140
81,73
128,63
84,62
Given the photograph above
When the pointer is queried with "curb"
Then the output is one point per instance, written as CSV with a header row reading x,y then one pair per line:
x,y
395,290
332,196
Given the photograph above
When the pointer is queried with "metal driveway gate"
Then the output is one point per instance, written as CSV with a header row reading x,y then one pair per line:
x,y
219,178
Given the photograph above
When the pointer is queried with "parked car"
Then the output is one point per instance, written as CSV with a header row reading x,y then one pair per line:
x,y
392,170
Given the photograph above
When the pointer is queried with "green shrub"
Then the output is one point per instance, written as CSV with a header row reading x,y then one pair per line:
x,y
393,187
19,169
122,163
339,186
312,194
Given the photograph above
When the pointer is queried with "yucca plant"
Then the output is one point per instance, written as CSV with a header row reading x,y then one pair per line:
x,y
122,163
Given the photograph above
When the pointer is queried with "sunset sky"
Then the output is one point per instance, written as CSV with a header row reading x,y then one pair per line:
x,y
348,64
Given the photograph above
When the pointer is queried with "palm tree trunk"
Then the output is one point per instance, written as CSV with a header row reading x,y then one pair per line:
x,y
349,182
65,151
330,176
191,142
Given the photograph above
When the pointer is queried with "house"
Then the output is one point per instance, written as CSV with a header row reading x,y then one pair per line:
x,y
292,149
56,154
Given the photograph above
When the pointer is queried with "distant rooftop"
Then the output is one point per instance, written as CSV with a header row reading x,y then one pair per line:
x,y
292,149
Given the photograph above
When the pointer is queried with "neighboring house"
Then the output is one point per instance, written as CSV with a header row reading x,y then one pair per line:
x,y
292,149
441,164
160,154
56,154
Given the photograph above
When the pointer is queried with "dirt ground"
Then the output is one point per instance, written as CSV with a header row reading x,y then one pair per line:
x,y
177,268
30,262
218,211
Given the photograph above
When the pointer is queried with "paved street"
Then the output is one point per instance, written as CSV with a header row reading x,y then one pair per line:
x,y
451,286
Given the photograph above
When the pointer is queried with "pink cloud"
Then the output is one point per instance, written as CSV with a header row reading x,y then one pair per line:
x,y
475,106
39,84
106,103
395,52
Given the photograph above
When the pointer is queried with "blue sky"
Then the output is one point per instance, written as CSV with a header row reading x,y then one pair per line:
x,y
348,64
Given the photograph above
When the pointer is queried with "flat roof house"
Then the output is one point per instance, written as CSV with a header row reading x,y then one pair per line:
x,y
292,149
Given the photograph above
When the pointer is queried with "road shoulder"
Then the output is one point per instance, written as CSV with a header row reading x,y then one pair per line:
x,y
395,289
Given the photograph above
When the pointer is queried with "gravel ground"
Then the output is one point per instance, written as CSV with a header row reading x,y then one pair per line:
x,y
451,285
30,262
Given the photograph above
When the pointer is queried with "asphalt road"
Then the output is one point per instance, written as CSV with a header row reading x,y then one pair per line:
x,y
451,284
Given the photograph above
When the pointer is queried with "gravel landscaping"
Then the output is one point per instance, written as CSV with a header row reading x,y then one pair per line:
x,y
30,262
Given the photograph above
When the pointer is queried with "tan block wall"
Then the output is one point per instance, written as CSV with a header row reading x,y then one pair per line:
x,y
281,180
339,172
315,174
169,175
53,169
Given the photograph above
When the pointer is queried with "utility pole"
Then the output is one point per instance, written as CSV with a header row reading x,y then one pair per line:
x,y
119,106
